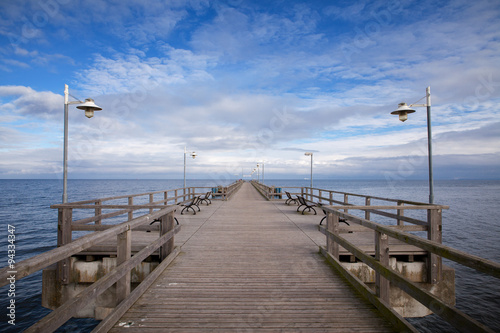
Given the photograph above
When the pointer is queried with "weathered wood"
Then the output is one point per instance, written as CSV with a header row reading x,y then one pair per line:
x,y
106,324
59,316
457,318
130,213
434,234
123,253
98,212
34,264
382,285
65,217
346,202
483,265
384,307
166,224
332,225
249,268
367,203
400,214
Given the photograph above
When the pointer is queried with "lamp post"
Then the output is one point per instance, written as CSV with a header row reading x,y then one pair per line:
x,y
311,154
89,107
258,172
193,155
403,111
262,173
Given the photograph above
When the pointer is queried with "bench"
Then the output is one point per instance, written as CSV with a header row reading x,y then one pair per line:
x,y
190,205
290,199
308,205
206,198
340,219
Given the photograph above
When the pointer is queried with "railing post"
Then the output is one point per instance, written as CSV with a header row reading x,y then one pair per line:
x,y
98,211
368,201
382,285
151,200
64,219
166,225
175,196
401,212
131,213
320,196
165,197
123,253
331,198
434,219
346,201
332,225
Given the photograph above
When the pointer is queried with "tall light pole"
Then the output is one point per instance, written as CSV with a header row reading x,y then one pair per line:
x,y
258,172
403,111
262,173
89,107
193,155
311,154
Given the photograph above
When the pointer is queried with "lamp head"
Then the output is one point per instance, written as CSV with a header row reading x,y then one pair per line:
x,y
403,111
308,154
89,107
193,155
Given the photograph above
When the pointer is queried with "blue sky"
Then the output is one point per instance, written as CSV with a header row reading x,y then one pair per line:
x,y
242,82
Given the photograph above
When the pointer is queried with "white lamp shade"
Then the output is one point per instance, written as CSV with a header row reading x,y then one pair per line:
x,y
403,111
89,107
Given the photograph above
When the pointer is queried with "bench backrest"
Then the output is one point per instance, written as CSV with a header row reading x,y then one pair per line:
x,y
301,200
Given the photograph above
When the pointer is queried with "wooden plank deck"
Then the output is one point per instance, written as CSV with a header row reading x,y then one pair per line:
x,y
245,266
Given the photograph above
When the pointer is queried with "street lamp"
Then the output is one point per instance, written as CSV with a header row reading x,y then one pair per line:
x,y
403,111
311,154
89,107
258,172
262,163
193,155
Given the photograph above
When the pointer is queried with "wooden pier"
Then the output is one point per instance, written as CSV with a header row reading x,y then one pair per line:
x,y
249,262
246,267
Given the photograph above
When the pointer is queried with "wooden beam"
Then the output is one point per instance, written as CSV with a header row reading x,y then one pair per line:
x,y
36,263
69,309
401,324
480,264
123,253
457,318
107,323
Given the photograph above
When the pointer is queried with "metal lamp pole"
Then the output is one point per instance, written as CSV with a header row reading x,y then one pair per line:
x,y
89,107
193,155
403,111
311,154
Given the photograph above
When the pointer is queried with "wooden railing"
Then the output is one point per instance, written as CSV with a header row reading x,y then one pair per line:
x,y
119,275
400,218
386,276
110,209
268,192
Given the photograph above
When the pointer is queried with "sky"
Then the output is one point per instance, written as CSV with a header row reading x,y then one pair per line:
x,y
243,83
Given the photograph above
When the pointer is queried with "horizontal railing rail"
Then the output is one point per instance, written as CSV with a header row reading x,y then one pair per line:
x,y
385,276
121,274
106,209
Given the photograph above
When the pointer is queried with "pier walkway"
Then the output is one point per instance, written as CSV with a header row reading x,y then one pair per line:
x,y
245,266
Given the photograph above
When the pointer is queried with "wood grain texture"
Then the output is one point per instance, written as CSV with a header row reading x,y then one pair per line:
x,y
245,266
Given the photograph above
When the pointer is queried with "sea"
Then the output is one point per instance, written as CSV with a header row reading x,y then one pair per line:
x,y
471,224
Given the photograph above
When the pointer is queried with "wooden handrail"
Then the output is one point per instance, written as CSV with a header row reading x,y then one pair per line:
x,y
384,273
62,314
480,264
41,261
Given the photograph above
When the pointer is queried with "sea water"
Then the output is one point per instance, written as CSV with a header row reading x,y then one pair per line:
x,y
471,225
